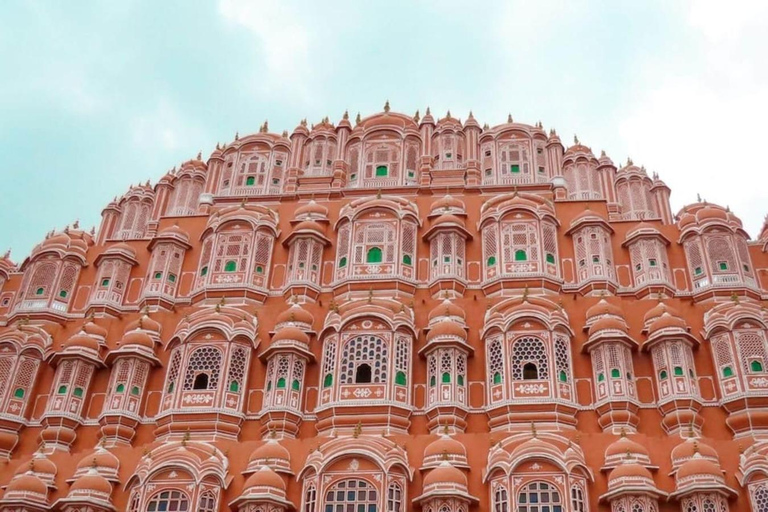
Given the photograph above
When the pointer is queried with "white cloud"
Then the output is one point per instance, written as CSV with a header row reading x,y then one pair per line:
x,y
697,116
283,39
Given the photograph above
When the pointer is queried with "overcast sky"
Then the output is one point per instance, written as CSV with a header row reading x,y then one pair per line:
x,y
95,96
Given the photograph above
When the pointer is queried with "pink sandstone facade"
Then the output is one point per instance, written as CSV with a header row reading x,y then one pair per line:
x,y
397,313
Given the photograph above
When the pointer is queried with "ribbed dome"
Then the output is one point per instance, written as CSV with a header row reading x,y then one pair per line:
x,y
145,323
91,482
658,310
448,220
608,324
139,338
271,450
689,448
445,474
446,328
447,308
291,334
295,314
27,483
667,321
447,203
264,477
309,225
603,307
101,458
38,464
82,340
92,329
699,466
445,446
623,446
628,470
174,232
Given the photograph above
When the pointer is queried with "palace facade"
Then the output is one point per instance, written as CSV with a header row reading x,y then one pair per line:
x,y
396,313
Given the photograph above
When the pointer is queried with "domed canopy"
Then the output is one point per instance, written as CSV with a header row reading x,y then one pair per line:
x,y
608,324
629,471
445,449
264,477
25,485
445,473
145,323
271,454
447,205
656,311
686,450
295,316
139,338
311,210
82,340
625,450
103,462
291,334
446,329
698,466
603,308
91,483
447,309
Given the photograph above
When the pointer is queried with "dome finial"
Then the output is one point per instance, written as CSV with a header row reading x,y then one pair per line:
x,y
698,197
199,155
509,118
428,112
576,139
358,119
448,114
386,106
237,135
416,117
346,115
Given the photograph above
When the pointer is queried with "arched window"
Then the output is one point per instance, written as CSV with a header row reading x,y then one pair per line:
x,y
352,495
374,255
363,374
369,352
207,503
500,500
578,503
756,366
310,498
520,255
535,496
530,372
526,351
201,381
394,498
759,496
203,361
167,501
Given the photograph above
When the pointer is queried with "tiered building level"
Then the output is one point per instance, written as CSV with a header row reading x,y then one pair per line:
x,y
397,313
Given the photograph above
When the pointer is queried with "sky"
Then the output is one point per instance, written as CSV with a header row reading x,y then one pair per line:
x,y
96,96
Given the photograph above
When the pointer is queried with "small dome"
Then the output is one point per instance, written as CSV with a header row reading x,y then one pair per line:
x,y
295,314
448,220
699,466
628,470
145,323
445,446
291,334
309,225
38,464
623,446
92,329
446,204
608,324
445,474
667,321
658,310
101,458
91,482
686,450
447,308
312,209
82,341
139,338
26,483
446,328
174,232
603,307
271,450
264,477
